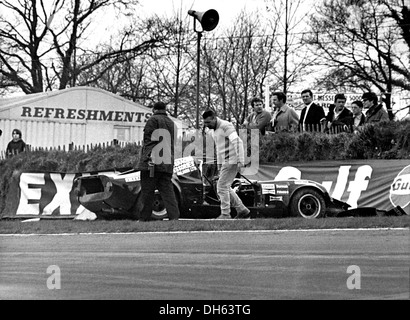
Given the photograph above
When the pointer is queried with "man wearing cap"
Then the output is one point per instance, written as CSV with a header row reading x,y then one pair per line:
x,y
157,163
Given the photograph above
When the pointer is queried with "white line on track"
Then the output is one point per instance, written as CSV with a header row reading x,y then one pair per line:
x,y
210,231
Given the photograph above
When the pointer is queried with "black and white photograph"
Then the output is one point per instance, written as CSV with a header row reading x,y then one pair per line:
x,y
203,158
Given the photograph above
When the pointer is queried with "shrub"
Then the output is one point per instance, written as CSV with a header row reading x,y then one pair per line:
x,y
389,140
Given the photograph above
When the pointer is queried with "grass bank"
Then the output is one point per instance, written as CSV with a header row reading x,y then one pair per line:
x,y
126,226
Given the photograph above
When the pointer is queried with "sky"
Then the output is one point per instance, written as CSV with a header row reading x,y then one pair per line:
x,y
227,9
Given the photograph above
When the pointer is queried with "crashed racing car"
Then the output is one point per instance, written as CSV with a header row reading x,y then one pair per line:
x,y
117,195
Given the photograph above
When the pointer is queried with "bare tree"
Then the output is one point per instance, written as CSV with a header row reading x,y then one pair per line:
x,y
41,46
160,73
359,43
240,61
172,64
291,18
399,11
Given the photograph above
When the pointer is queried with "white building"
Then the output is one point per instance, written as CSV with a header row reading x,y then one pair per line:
x,y
79,115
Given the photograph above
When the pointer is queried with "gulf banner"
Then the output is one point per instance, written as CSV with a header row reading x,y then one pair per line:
x,y
382,184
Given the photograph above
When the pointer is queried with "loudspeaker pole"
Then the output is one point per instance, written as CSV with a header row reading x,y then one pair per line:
x,y
198,58
198,68
209,20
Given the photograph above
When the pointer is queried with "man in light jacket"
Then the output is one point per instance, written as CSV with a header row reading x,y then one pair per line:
x,y
285,118
230,160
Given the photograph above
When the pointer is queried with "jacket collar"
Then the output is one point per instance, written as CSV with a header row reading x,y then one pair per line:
x,y
373,110
218,123
160,112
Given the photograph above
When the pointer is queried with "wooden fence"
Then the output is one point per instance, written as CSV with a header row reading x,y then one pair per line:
x,y
315,129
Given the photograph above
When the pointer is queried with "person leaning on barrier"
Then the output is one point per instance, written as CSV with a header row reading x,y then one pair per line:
x,y
285,118
312,114
259,118
156,173
230,160
16,145
339,117
375,112
358,116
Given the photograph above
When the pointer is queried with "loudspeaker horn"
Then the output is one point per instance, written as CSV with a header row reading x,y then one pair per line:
x,y
209,19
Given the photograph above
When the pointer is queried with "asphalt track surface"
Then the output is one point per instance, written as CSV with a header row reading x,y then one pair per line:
x,y
264,265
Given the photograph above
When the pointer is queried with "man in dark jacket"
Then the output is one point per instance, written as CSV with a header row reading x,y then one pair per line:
x,y
339,117
312,114
358,116
375,112
157,163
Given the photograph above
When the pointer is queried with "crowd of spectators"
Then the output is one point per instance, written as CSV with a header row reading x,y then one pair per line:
x,y
313,118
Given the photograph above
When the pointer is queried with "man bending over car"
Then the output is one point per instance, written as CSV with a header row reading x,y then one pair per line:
x,y
230,160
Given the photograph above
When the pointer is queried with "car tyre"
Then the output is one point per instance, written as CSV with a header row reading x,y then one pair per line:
x,y
307,203
159,212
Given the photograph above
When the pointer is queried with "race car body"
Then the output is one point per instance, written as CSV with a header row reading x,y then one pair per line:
x,y
116,196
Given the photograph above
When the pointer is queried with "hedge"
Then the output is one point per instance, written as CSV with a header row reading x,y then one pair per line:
x,y
390,140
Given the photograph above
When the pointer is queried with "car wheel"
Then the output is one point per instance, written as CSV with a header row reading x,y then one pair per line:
x,y
159,212
307,203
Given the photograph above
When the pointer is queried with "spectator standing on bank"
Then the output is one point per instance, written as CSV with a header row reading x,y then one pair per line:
x,y
339,116
259,118
230,159
358,116
312,114
375,112
285,118
16,145
157,164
